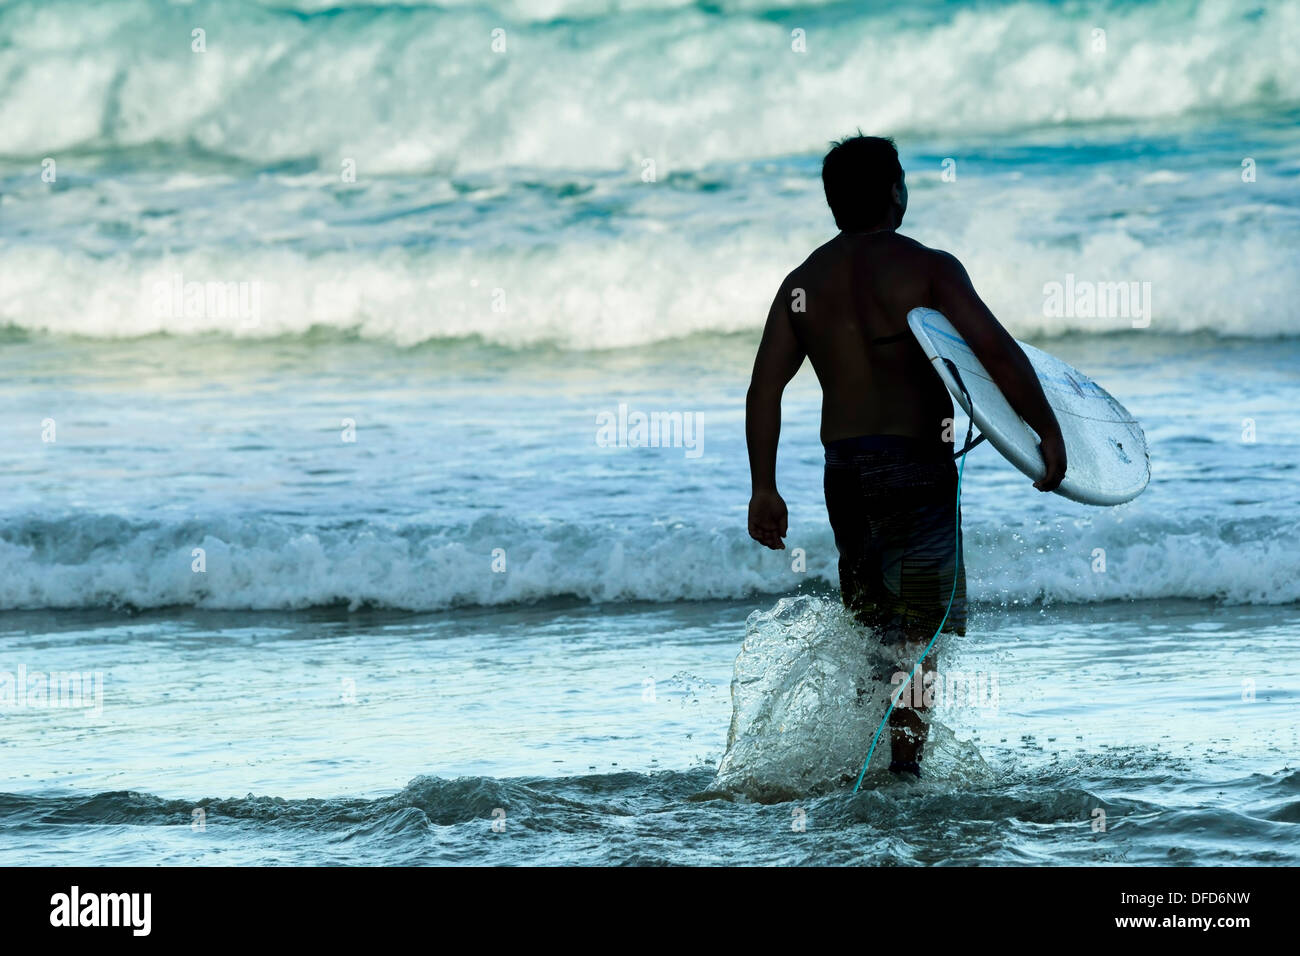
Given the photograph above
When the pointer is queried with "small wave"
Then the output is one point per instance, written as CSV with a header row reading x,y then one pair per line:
x,y
266,563
426,801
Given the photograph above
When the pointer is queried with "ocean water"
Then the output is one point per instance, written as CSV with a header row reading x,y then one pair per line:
x,y
314,347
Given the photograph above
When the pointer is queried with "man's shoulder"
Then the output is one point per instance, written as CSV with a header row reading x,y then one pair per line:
x,y
801,276
815,259
936,258
937,265
824,257
833,248
817,263
927,254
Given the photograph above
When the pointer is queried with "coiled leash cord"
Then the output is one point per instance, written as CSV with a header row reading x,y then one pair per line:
x,y
970,427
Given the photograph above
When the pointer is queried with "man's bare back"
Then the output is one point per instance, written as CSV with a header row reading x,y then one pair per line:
x,y
856,292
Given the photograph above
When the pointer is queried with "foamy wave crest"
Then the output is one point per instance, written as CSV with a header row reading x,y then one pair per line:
x,y
411,88
265,563
582,296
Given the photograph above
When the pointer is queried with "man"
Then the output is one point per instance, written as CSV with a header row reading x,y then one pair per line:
x,y
890,480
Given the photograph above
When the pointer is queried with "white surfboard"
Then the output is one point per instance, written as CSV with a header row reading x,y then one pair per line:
x,y
1107,461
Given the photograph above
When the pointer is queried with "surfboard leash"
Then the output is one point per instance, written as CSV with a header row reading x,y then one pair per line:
x,y
970,425
970,428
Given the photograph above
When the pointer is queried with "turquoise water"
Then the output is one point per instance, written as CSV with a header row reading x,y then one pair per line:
x,y
540,713
428,587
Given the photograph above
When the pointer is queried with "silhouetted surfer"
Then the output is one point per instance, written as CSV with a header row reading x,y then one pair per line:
x,y
890,481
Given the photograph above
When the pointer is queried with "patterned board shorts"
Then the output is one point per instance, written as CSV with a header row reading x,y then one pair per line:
x,y
893,508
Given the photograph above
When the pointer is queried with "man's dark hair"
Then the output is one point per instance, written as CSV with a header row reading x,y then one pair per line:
x,y
859,174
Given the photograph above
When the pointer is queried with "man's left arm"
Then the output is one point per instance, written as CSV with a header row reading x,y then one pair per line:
x,y
779,357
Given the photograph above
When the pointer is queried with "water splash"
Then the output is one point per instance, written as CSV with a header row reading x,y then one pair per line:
x,y
810,688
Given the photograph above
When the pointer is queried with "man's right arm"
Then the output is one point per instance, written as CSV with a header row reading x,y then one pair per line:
x,y
779,356
955,297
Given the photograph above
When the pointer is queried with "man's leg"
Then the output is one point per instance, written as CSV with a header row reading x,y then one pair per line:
x,y
894,517
908,726
930,581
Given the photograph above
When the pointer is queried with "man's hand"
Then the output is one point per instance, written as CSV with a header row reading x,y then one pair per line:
x,y
1053,451
768,519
